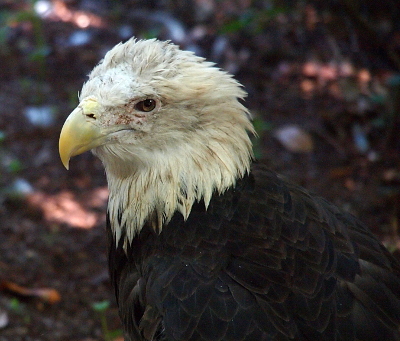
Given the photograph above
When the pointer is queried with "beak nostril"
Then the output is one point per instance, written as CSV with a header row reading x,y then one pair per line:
x,y
91,116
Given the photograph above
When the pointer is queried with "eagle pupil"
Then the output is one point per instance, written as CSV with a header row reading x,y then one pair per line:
x,y
146,105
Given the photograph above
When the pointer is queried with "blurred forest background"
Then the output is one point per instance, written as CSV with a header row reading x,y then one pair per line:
x,y
324,89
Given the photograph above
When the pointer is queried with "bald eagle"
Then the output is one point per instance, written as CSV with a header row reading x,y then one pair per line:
x,y
203,242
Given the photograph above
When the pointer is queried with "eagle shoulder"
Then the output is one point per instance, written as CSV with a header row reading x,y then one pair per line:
x,y
265,260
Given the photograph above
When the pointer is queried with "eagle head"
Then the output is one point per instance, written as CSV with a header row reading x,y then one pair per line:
x,y
168,127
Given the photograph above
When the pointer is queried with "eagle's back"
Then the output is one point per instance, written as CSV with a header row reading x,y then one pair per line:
x,y
265,261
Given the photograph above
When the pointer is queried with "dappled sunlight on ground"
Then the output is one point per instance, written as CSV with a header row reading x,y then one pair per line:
x,y
57,10
66,208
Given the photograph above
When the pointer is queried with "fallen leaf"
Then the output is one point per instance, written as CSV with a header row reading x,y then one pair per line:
x,y
48,295
390,175
340,172
360,139
3,319
295,139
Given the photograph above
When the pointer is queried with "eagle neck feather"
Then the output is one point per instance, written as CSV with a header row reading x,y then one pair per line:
x,y
170,180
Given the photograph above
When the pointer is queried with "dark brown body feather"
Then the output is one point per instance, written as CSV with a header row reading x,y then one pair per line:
x,y
265,261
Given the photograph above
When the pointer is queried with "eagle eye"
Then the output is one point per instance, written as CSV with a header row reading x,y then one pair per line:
x,y
146,105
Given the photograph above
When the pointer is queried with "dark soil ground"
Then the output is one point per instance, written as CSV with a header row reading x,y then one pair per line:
x,y
341,105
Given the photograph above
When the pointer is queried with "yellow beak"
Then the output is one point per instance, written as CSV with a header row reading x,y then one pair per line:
x,y
80,133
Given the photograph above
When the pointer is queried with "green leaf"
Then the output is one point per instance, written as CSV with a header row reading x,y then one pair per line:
x,y
114,334
15,166
239,23
16,306
260,125
101,306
